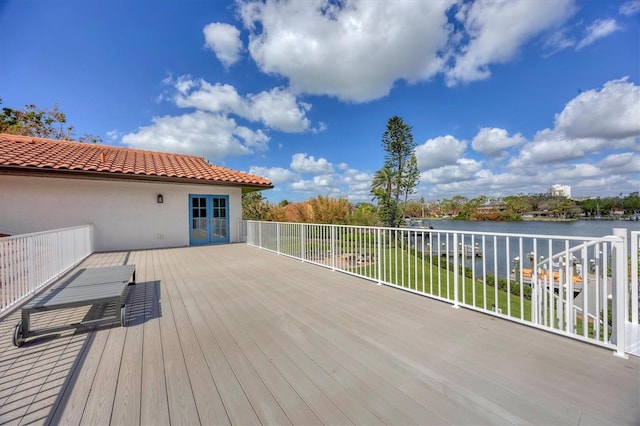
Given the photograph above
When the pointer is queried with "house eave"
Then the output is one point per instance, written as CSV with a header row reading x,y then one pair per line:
x,y
95,175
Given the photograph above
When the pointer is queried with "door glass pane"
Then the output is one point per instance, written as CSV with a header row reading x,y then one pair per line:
x,y
219,228
199,208
199,228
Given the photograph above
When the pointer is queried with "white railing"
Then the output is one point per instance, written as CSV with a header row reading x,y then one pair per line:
x,y
568,286
31,261
634,257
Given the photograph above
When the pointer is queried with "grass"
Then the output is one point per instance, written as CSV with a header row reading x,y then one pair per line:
x,y
431,276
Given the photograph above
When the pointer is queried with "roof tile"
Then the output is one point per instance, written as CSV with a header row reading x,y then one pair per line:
x,y
39,153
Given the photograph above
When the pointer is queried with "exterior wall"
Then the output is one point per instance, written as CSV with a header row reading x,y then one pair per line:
x,y
125,214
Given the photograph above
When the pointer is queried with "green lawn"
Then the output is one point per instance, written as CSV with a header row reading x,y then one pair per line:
x,y
416,272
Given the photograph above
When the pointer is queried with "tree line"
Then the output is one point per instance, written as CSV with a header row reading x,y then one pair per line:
x,y
321,209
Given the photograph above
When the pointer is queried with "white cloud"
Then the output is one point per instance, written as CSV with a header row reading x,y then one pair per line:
x,y
607,185
320,184
276,108
553,146
349,50
114,135
493,141
440,151
464,169
253,138
198,133
358,185
210,130
280,110
576,172
224,40
357,50
562,39
356,176
630,8
611,113
599,29
302,163
344,181
497,29
183,84
484,182
277,175
626,162
592,122
558,41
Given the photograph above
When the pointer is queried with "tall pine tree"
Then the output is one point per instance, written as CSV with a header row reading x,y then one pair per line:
x,y
401,166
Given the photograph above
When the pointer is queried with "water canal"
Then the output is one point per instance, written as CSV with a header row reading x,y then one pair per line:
x,y
517,246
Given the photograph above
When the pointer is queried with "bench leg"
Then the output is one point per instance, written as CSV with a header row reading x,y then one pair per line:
x,y
18,340
26,323
123,316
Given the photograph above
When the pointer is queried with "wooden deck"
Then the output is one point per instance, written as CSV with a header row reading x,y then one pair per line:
x,y
235,335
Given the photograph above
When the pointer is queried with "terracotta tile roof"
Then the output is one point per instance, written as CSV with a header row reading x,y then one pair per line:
x,y
29,153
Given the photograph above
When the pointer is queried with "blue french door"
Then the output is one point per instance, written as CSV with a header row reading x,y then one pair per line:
x,y
208,219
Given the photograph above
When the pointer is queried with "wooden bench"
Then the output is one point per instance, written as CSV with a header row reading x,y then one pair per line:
x,y
91,286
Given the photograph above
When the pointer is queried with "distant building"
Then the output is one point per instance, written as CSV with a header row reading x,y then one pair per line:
x,y
560,191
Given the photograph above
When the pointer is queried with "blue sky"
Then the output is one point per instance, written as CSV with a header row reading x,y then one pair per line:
x,y
504,97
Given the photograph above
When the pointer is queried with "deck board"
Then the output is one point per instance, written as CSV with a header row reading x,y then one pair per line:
x,y
182,405
153,403
126,404
207,398
236,335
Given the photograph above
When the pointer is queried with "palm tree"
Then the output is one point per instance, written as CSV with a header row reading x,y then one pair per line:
x,y
382,183
382,189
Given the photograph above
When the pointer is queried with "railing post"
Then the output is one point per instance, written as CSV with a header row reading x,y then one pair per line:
x,y
618,277
303,241
634,276
333,247
455,269
278,237
3,276
31,265
379,254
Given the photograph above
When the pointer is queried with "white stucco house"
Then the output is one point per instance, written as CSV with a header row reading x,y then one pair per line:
x,y
135,199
